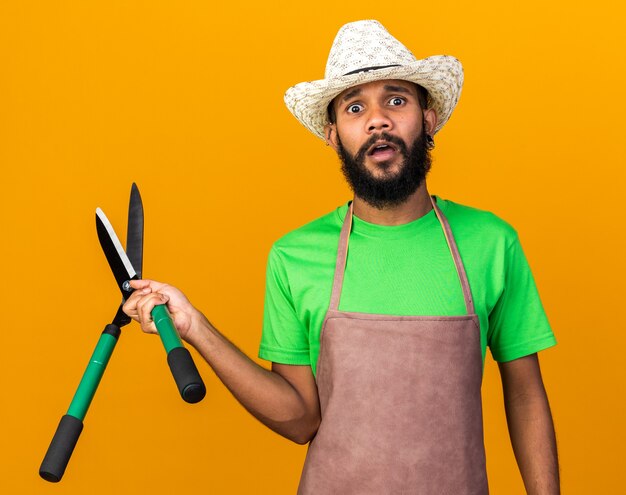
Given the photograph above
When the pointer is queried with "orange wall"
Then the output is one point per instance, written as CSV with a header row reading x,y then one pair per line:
x,y
185,98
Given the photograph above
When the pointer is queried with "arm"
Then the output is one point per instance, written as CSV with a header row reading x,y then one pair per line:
x,y
530,425
284,399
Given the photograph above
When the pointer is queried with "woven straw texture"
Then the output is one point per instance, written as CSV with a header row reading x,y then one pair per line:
x,y
362,52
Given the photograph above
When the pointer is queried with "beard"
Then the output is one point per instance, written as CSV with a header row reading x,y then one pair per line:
x,y
392,190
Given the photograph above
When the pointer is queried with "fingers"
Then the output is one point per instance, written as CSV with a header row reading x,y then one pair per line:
x,y
130,306
142,284
147,295
144,309
141,288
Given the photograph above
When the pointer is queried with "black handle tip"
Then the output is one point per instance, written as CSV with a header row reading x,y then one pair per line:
x,y
194,393
188,380
51,477
61,448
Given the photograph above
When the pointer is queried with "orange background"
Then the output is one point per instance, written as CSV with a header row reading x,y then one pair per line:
x,y
185,98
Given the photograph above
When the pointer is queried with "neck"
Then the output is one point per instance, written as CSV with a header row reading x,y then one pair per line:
x,y
416,206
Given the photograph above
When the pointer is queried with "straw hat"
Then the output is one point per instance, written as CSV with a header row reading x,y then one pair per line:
x,y
363,52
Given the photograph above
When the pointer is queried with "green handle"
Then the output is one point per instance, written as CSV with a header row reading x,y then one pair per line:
x,y
184,371
165,327
93,374
71,425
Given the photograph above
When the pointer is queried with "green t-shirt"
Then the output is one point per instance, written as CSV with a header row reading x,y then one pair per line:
x,y
402,270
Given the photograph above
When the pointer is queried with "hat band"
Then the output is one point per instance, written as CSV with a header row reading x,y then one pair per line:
x,y
371,68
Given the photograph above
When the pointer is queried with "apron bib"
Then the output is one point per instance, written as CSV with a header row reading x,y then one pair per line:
x,y
400,399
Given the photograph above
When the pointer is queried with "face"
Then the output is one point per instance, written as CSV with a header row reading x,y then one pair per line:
x,y
379,136
392,188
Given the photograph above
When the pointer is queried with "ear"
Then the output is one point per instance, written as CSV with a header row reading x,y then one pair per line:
x,y
330,135
430,118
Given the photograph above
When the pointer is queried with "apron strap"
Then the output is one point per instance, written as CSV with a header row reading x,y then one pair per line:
x,y
342,253
458,263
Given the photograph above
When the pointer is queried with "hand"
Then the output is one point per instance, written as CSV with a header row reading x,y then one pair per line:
x,y
149,294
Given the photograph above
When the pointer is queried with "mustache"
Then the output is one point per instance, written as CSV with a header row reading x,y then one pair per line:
x,y
378,137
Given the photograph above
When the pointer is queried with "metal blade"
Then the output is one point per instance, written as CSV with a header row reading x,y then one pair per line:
x,y
134,235
120,265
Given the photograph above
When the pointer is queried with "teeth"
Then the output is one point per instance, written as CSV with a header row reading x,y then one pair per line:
x,y
381,147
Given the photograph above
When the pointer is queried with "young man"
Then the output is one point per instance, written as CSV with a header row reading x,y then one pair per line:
x,y
377,315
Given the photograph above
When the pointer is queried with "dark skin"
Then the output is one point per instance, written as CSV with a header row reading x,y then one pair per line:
x,y
285,398
382,106
530,425
394,107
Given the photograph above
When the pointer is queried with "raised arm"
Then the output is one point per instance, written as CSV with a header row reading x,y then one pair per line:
x,y
530,425
284,399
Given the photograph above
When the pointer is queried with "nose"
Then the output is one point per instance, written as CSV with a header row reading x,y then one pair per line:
x,y
378,120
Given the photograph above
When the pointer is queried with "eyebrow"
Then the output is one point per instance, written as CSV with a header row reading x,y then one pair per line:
x,y
397,89
351,94
388,87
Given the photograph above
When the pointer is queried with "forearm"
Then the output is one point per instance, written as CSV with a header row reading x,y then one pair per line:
x,y
533,439
267,395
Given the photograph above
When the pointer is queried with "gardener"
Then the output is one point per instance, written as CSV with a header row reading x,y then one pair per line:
x,y
378,314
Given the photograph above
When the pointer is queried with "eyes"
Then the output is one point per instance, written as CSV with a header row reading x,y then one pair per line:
x,y
395,101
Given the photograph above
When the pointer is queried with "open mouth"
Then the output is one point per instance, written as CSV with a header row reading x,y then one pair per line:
x,y
381,147
382,150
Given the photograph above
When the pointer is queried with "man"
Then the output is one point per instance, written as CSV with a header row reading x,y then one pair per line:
x,y
377,315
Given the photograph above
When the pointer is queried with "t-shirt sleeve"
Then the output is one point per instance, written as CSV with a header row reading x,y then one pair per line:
x,y
518,325
284,339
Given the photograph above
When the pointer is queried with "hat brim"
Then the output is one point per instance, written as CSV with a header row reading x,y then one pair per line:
x,y
440,75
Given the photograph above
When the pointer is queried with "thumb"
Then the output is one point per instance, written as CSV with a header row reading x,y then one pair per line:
x,y
140,284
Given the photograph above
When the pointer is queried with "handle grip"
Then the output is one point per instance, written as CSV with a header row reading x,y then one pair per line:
x,y
61,448
71,425
186,376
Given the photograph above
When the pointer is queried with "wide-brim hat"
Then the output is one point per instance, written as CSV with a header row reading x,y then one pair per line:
x,y
363,52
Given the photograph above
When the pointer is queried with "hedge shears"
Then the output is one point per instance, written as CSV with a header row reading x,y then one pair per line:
x,y
126,265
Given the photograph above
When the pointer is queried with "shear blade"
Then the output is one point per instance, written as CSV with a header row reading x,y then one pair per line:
x,y
121,266
134,234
